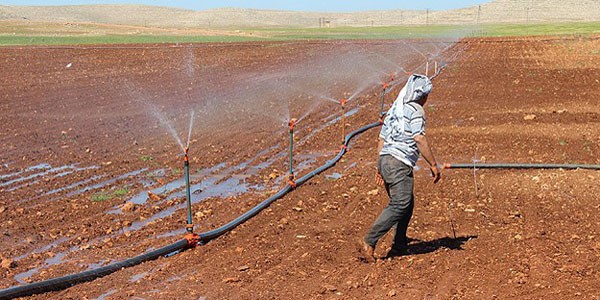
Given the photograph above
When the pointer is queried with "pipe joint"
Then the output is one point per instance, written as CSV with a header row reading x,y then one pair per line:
x,y
192,239
292,180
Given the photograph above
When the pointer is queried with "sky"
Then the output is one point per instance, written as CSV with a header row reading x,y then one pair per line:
x,y
301,5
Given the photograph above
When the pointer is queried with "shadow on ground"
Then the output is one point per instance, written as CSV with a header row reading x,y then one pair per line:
x,y
416,247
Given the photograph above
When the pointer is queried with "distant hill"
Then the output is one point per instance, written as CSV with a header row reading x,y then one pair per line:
x,y
499,11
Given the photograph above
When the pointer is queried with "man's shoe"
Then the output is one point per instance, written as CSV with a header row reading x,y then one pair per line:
x,y
366,250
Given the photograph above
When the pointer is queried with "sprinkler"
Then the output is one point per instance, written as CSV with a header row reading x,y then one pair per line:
x,y
291,178
343,103
186,165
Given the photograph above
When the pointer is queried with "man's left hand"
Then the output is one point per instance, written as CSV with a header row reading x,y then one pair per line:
x,y
436,173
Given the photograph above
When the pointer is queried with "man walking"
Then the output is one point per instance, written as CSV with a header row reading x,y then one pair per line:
x,y
401,141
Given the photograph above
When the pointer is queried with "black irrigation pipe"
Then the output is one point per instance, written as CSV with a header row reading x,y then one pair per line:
x,y
521,166
64,282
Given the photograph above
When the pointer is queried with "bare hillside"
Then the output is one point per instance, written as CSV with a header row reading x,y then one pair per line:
x,y
499,11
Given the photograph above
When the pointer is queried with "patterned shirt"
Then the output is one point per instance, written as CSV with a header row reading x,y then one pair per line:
x,y
399,129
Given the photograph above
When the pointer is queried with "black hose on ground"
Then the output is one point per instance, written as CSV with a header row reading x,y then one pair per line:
x,y
67,281
521,166
60,283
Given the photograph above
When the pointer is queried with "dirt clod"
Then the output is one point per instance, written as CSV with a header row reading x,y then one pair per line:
x,y
374,192
8,263
231,280
128,207
153,196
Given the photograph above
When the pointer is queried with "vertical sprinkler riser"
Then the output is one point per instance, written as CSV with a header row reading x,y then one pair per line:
x,y
291,176
385,86
383,90
343,103
189,225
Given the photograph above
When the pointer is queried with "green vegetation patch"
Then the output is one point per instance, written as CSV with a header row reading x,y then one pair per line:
x,y
13,40
114,193
121,192
147,158
101,196
428,31
540,29
294,33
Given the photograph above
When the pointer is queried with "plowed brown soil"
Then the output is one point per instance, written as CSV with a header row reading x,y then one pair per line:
x,y
525,234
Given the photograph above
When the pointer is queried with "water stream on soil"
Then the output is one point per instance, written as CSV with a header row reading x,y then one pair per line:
x,y
42,166
106,294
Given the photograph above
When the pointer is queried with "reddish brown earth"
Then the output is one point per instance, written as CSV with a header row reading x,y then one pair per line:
x,y
519,234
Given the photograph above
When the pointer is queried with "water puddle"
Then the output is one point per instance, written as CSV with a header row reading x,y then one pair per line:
x,y
137,277
70,170
307,160
226,184
337,175
99,264
57,259
42,166
36,175
334,176
213,186
106,182
72,186
106,294
246,163
176,232
352,165
209,188
42,249
142,197
151,177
